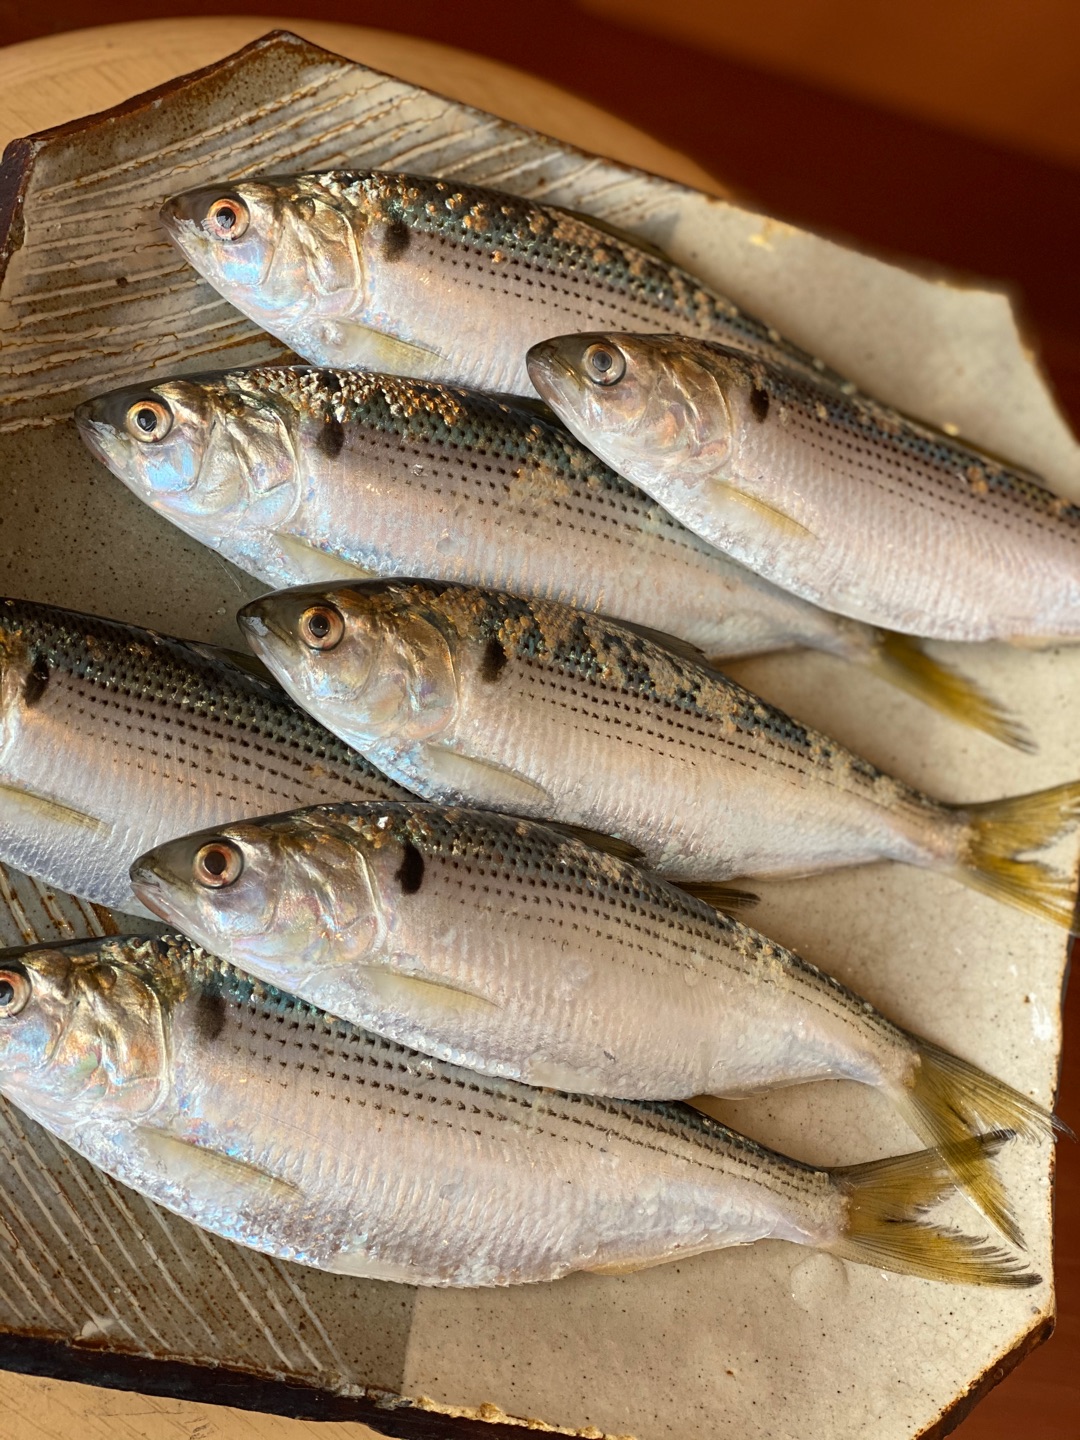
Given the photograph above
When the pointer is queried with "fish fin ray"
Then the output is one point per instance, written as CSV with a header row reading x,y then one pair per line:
x,y
482,782
779,520
49,809
685,649
312,564
1000,831
882,1225
725,898
239,659
902,661
355,346
947,1100
596,840
188,1163
396,987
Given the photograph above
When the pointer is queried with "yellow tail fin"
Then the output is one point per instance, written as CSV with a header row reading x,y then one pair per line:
x,y
947,1100
886,1199
902,661
1001,831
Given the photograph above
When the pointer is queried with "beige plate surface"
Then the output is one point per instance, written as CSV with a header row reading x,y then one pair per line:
x,y
768,1341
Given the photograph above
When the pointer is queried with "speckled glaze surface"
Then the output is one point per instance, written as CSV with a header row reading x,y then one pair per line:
x,y
93,296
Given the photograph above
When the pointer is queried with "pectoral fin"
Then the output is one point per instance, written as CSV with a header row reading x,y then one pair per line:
x,y
405,992
778,520
482,782
15,801
351,345
311,564
199,1168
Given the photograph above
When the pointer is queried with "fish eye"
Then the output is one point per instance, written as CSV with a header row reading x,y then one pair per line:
x,y
321,627
14,993
148,420
603,364
218,863
227,218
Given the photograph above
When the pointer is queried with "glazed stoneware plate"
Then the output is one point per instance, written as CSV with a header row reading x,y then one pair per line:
x,y
766,1341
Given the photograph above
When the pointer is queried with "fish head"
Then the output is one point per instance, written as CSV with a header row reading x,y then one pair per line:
x,y
213,454
287,251
370,660
275,895
82,1029
648,405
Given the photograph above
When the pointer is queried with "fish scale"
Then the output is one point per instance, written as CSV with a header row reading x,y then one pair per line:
x,y
113,737
426,479
522,952
833,497
473,696
263,1120
441,279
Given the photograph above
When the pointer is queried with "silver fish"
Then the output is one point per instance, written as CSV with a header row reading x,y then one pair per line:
x,y
113,738
831,496
267,1122
520,952
469,696
438,279
300,475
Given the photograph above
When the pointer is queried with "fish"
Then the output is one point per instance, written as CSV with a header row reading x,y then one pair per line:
x,y
529,954
114,738
438,279
267,1122
478,697
298,475
831,496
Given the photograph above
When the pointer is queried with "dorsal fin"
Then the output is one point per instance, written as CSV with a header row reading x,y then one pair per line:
x,y
239,659
531,404
595,839
725,898
624,237
685,649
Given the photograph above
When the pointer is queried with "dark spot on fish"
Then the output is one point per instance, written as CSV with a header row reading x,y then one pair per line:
x,y
410,876
494,661
37,681
210,1011
759,402
330,382
332,436
395,240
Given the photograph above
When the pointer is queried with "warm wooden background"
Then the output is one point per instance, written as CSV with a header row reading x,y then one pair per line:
x,y
1007,206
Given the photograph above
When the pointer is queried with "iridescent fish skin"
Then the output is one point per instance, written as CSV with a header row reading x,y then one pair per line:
x,y
434,278
267,1122
299,475
831,496
469,696
113,738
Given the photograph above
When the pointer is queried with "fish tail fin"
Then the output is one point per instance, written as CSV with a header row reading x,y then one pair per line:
x,y
1001,831
947,1100
902,661
883,1228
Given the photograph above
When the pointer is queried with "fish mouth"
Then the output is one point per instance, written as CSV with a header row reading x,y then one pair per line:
x,y
550,370
149,887
94,433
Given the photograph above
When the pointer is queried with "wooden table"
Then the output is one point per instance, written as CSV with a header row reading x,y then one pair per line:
x,y
49,81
